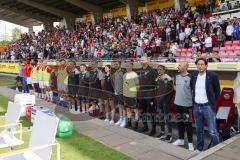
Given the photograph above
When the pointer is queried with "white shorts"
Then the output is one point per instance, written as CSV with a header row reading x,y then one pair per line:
x,y
29,80
33,81
41,84
62,87
46,84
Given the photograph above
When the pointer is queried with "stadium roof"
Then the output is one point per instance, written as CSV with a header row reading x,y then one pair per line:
x,y
36,12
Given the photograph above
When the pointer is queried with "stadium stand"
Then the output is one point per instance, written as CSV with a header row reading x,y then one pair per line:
x,y
157,34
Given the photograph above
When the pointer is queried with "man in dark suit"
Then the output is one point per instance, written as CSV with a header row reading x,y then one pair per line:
x,y
206,89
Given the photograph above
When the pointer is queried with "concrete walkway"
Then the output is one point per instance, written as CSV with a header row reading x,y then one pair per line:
x,y
136,145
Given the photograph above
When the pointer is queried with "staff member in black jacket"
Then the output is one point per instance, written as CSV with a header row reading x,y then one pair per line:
x,y
206,89
147,76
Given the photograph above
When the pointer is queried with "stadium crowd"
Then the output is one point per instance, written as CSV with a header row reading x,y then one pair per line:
x,y
143,95
159,33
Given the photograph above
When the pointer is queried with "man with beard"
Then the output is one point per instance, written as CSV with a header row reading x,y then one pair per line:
x,y
147,76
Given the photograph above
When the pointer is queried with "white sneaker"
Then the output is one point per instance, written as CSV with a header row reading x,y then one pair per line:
x,y
119,122
124,123
178,142
111,122
190,147
197,151
107,120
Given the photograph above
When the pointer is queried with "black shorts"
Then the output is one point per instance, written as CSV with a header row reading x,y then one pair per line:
x,y
82,99
108,95
94,93
130,102
72,90
83,91
119,99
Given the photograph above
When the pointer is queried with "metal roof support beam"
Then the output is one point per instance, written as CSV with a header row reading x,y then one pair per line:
x,y
96,11
86,6
28,14
131,7
46,8
30,30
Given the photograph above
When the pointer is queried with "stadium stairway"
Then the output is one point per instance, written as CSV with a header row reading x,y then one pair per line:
x,y
136,145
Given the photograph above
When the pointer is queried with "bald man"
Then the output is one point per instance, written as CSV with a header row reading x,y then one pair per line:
x,y
183,105
147,76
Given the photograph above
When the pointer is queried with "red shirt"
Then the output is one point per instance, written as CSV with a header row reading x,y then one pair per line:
x,y
27,70
153,47
48,69
143,46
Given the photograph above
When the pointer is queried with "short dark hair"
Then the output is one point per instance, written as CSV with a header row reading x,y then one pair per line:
x,y
202,59
162,66
74,62
84,65
109,66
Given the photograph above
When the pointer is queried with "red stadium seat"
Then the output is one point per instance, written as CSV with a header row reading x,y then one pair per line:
x,y
190,50
237,48
222,49
188,60
216,49
183,53
177,53
237,52
236,43
223,54
178,50
229,49
225,110
232,54
184,50
180,46
228,43
189,53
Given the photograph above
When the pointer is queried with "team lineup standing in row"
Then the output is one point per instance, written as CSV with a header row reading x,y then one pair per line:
x,y
146,92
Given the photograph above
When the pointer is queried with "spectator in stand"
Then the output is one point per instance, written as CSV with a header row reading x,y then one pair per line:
x,y
170,59
142,33
237,5
208,43
214,57
229,5
182,37
229,31
236,31
220,38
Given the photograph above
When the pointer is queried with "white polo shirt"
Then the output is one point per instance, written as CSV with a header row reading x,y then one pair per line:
x,y
208,42
200,89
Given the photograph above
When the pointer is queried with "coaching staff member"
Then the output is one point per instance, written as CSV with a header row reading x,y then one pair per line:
x,y
206,88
